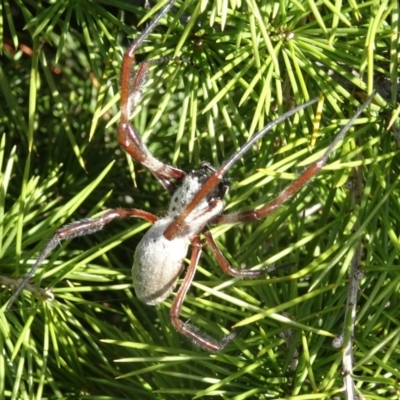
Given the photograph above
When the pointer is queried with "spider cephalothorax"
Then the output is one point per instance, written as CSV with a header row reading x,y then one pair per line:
x,y
190,186
196,203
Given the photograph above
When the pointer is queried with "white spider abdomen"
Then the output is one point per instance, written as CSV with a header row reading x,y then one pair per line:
x,y
158,263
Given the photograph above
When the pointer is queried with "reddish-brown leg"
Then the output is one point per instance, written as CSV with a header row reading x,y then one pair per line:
x,y
179,224
128,137
284,196
82,227
224,264
197,336
295,186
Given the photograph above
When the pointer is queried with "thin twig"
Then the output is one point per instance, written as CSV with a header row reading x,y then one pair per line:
x,y
356,274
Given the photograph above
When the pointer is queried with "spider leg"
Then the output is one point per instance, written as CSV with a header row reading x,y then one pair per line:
x,y
197,336
224,264
128,137
82,227
295,186
179,224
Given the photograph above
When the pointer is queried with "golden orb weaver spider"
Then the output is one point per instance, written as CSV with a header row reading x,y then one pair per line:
x,y
197,202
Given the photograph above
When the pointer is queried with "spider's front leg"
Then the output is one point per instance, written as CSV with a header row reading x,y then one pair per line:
x,y
197,336
298,184
128,137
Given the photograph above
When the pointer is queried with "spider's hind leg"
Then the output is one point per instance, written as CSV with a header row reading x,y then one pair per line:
x,y
195,334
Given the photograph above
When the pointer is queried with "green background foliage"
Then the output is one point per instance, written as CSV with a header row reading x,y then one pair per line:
x,y
250,62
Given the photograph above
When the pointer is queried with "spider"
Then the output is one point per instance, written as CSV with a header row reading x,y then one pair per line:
x,y
196,203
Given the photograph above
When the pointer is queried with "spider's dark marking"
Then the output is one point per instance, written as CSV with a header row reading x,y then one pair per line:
x,y
196,203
